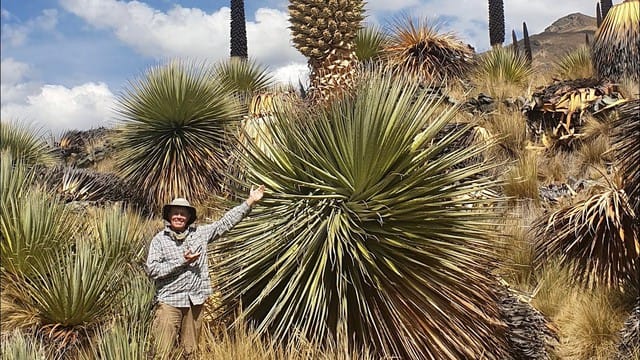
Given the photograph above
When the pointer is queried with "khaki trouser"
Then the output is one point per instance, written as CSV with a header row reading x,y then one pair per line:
x,y
170,321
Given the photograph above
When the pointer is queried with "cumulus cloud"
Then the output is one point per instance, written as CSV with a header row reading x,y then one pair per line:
x,y
59,108
16,33
292,74
187,32
386,5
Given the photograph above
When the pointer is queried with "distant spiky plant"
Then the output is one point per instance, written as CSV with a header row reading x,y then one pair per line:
x,y
176,123
25,144
616,46
514,41
528,53
501,65
244,77
238,30
575,64
417,48
361,247
598,15
606,5
370,42
324,32
496,22
596,238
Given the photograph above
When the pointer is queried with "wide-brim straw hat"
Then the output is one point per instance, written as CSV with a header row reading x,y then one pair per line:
x,y
183,203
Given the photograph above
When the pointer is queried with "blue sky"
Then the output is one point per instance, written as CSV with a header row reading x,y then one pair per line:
x,y
65,61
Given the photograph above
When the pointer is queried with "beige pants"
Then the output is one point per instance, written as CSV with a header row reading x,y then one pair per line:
x,y
170,322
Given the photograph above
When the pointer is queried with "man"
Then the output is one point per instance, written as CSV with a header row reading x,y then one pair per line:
x,y
177,262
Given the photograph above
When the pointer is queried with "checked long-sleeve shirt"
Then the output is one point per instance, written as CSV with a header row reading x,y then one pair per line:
x,y
180,284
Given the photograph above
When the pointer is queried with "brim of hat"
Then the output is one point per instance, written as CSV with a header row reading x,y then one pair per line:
x,y
190,209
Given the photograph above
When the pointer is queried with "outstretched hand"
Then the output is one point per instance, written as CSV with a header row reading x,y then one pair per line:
x,y
255,195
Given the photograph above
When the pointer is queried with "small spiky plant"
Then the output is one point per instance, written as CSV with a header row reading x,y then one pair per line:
x,y
360,247
616,46
18,345
502,66
25,144
575,64
176,124
243,77
417,48
324,32
370,42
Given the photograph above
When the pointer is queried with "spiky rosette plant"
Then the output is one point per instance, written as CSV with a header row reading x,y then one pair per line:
x,y
626,145
244,77
370,42
25,144
503,66
32,225
324,32
575,64
596,238
616,46
418,48
364,237
175,128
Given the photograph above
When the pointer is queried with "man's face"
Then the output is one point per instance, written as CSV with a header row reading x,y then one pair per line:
x,y
178,217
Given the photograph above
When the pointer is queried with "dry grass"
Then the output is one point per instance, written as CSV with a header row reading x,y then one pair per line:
x,y
556,167
594,152
590,324
510,129
553,290
517,250
244,344
521,181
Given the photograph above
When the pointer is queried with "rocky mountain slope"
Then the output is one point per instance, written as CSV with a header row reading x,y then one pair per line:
x,y
559,38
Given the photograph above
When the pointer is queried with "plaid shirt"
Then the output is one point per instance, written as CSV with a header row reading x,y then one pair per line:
x,y
180,284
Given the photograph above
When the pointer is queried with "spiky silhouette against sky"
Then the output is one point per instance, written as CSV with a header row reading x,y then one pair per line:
x,y
64,61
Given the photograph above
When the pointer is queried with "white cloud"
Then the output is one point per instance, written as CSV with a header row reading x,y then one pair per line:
x,y
12,71
187,32
59,108
292,73
374,6
17,34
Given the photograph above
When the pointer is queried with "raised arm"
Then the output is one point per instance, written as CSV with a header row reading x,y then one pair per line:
x,y
233,216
